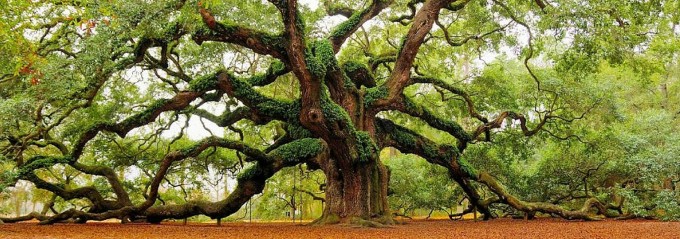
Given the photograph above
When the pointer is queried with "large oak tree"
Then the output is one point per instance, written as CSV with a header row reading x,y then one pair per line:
x,y
73,64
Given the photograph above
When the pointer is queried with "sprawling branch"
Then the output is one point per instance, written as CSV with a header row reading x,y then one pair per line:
x,y
533,207
411,108
180,101
340,33
408,141
259,42
194,151
422,23
261,105
333,9
455,90
498,122
27,217
121,195
232,116
250,182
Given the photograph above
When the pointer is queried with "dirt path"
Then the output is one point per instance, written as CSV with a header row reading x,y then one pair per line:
x,y
502,228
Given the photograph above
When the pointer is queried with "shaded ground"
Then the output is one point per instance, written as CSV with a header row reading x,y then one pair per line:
x,y
502,228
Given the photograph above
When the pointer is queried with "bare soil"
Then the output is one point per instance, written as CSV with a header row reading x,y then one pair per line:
x,y
500,228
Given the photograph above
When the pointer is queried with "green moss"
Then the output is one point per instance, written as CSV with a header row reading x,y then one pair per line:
x,y
432,152
359,74
333,112
299,149
373,94
39,162
296,130
251,172
467,167
320,57
323,50
273,41
290,111
204,83
276,68
147,114
269,107
300,22
426,115
352,66
365,146
314,65
347,26
404,138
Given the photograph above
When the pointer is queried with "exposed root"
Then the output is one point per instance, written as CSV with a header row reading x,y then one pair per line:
x,y
326,219
376,222
403,215
359,222
531,208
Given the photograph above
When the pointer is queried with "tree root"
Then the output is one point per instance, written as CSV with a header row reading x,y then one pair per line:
x,y
397,214
375,222
326,219
530,208
360,222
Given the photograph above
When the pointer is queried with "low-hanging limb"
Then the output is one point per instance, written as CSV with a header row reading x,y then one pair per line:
x,y
531,208
27,217
251,181
180,101
408,141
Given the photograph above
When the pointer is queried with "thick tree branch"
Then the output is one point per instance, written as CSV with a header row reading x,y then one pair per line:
x,y
408,141
260,104
30,216
411,108
455,90
422,23
230,117
250,182
259,42
533,207
341,32
180,101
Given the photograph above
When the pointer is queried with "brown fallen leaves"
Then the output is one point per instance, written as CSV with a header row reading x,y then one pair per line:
x,y
500,228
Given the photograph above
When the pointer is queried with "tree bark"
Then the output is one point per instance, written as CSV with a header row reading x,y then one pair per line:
x,y
356,193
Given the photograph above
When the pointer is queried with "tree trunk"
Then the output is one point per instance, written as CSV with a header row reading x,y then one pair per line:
x,y
356,193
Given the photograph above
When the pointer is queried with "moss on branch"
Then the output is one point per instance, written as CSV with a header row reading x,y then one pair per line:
x,y
347,27
375,93
298,149
366,148
39,162
436,122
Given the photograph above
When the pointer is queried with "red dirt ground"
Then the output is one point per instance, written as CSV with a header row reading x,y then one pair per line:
x,y
500,228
